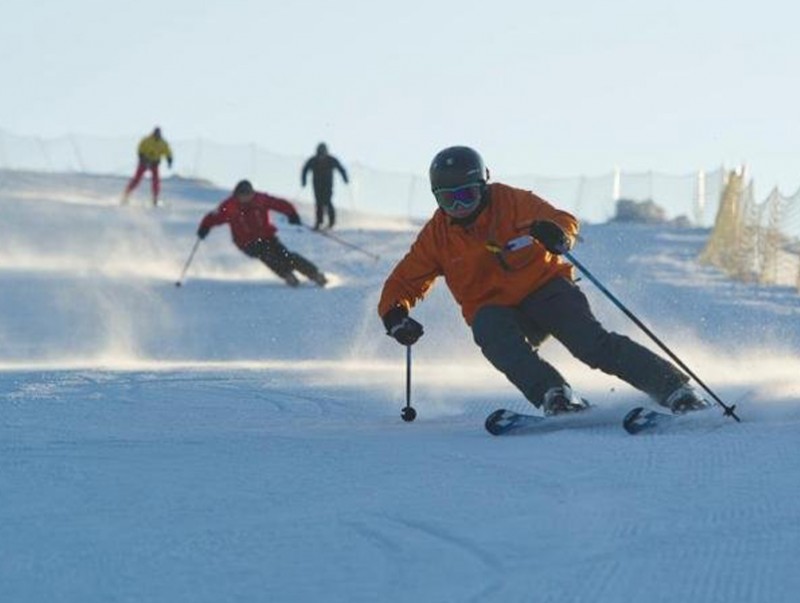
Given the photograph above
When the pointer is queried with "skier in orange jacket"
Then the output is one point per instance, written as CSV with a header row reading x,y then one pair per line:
x,y
499,250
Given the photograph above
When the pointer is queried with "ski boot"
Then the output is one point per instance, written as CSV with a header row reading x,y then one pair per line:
x,y
319,278
685,399
561,400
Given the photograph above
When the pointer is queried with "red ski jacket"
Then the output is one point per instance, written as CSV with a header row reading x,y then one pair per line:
x,y
249,221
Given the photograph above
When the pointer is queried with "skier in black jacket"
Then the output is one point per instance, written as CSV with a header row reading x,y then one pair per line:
x,y
322,165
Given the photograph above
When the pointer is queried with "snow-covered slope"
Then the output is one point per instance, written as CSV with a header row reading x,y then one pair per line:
x,y
234,439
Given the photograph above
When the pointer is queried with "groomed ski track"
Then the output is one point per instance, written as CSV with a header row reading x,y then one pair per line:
x,y
237,440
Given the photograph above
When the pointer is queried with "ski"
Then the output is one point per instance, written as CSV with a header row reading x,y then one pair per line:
x,y
504,421
641,419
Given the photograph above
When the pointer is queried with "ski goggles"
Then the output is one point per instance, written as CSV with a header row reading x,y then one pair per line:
x,y
460,198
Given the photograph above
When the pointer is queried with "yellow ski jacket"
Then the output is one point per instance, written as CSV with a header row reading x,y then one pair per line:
x,y
152,149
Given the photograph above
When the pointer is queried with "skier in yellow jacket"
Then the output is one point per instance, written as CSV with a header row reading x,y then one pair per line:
x,y
151,149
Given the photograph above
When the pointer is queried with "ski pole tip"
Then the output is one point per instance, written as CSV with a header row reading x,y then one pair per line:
x,y
408,414
730,412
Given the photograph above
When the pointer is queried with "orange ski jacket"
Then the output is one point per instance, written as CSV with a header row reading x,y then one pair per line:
x,y
492,261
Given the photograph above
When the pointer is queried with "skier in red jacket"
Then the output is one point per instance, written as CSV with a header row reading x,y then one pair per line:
x,y
247,213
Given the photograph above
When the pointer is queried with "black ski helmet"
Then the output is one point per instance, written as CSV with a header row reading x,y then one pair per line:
x,y
457,166
243,187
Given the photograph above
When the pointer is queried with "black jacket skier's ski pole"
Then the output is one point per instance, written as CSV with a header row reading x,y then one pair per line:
x,y
345,243
179,282
729,410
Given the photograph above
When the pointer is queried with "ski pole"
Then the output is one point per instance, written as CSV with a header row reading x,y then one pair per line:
x,y
729,410
345,243
179,282
408,414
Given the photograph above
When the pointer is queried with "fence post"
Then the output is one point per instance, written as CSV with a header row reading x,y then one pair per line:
x,y
3,158
76,149
48,161
198,154
700,198
411,195
616,192
579,194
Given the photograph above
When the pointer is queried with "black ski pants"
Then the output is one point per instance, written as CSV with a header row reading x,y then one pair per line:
x,y
510,337
279,259
324,205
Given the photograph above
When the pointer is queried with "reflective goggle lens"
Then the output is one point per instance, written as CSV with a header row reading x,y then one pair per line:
x,y
462,197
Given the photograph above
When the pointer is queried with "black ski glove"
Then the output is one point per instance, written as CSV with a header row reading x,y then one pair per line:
x,y
401,326
550,235
294,219
202,232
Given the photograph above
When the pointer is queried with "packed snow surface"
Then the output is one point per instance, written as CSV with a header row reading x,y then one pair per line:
x,y
237,440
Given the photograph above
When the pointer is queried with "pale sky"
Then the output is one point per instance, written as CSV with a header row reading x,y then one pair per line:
x,y
555,88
